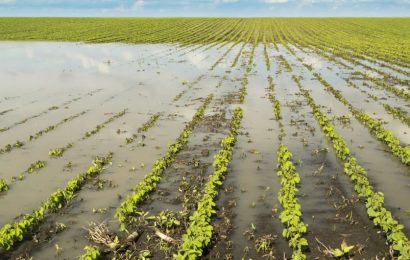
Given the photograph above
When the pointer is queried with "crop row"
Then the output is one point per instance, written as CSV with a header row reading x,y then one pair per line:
x,y
244,83
265,52
289,179
19,144
375,38
52,127
190,85
333,39
275,102
323,51
52,108
353,58
4,129
54,153
57,152
375,126
177,97
127,211
313,42
17,231
102,125
383,83
31,169
222,57
400,92
5,112
291,214
376,211
148,124
285,63
199,231
386,76
276,107
238,55
396,112
242,92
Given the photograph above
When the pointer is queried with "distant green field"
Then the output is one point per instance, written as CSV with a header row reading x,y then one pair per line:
x,y
382,38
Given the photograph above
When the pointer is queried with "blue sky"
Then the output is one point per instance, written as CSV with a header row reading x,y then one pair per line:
x,y
204,7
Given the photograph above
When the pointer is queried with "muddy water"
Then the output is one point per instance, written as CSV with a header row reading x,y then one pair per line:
x,y
383,64
313,59
334,75
215,82
82,214
145,79
374,69
150,84
253,170
146,85
384,69
365,147
75,67
320,172
130,164
369,87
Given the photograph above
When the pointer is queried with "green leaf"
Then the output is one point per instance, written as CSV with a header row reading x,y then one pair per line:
x,y
337,252
345,247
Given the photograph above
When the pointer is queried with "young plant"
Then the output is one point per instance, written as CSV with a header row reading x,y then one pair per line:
x,y
291,214
147,125
376,211
127,212
199,232
3,185
102,125
58,152
342,251
17,231
91,253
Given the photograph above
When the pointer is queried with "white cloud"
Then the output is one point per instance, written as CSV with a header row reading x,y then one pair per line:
x,y
5,2
320,1
225,1
138,4
275,1
334,4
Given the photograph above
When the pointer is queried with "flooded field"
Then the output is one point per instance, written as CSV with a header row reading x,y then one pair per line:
x,y
227,150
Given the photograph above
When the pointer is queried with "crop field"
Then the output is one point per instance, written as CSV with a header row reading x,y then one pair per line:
x,y
204,138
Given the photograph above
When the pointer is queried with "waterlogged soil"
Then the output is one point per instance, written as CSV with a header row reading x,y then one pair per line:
x,y
337,77
365,147
329,204
45,82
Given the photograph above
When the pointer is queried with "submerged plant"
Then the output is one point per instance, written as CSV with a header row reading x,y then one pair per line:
x,y
3,185
199,232
91,253
127,212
